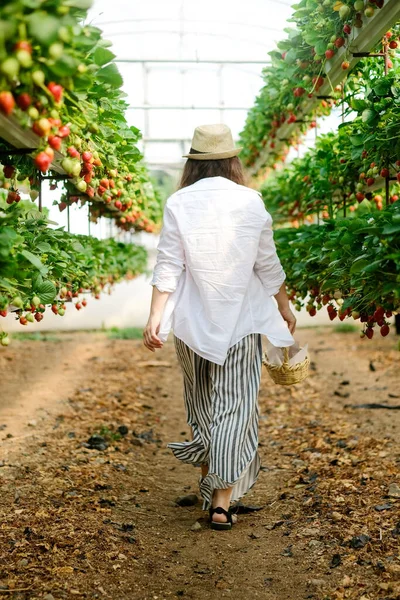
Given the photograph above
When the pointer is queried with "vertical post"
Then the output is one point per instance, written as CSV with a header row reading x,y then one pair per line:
x,y
386,59
68,221
40,190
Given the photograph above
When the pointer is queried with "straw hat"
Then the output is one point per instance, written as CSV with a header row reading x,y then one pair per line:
x,y
214,142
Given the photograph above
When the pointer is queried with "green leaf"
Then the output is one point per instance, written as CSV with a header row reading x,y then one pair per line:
x,y
382,87
65,66
35,261
368,115
391,229
82,4
359,265
43,27
110,74
47,292
357,140
44,247
358,104
102,56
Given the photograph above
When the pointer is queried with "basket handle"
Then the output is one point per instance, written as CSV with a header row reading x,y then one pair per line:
x,y
286,355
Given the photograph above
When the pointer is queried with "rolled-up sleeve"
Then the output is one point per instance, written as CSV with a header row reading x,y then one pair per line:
x,y
170,257
268,266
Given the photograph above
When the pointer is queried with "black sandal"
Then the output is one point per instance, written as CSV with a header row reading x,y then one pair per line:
x,y
220,511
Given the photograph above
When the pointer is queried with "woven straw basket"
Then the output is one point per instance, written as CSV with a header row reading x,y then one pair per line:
x,y
286,374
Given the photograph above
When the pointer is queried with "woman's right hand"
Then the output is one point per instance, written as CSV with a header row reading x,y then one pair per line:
x,y
289,317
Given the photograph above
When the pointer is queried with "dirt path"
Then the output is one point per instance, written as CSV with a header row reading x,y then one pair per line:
x,y
81,522
38,376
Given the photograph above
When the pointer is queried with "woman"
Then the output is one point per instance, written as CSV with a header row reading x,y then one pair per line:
x,y
215,275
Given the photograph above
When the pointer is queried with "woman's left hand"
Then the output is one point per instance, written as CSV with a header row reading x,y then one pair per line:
x,y
150,337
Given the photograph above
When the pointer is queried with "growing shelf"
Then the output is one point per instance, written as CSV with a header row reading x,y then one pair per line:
x,y
362,41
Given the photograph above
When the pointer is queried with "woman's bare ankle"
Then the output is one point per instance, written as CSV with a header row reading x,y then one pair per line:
x,y
221,497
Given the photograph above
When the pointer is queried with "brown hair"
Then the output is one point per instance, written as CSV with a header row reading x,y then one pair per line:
x,y
231,168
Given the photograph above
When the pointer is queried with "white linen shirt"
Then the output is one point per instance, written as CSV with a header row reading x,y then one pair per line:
x,y
217,257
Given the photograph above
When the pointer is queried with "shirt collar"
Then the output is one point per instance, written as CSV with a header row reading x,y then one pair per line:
x,y
211,183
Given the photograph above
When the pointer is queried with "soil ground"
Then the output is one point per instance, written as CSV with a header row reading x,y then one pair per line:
x,y
103,523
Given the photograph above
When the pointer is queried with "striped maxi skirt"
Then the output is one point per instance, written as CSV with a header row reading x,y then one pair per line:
x,y
221,403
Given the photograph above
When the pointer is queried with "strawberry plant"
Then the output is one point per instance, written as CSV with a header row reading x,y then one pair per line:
x,y
58,79
299,68
351,266
45,269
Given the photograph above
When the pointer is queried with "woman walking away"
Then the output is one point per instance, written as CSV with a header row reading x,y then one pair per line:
x,y
216,272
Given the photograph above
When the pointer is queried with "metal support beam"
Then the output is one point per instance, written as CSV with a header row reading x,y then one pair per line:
x,y
166,107
192,61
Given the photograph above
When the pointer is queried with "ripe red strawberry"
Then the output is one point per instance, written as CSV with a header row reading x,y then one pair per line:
x,y
7,103
112,183
118,204
332,313
13,196
8,171
347,29
43,161
369,333
38,316
78,306
84,302
379,313
101,190
398,177
389,313
23,320
73,152
24,101
105,183
292,119
87,167
393,45
55,142
64,131
339,42
87,178
87,156
345,65
385,330
90,191
56,90
370,181
360,196
313,312
384,173
329,54
23,45
54,309
3,313
388,35
299,91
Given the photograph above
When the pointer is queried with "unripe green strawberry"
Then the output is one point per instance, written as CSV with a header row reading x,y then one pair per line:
x,y
5,340
24,58
17,301
35,301
10,67
38,78
29,317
